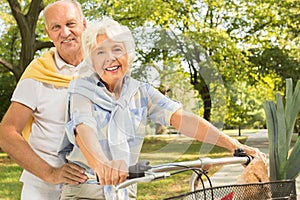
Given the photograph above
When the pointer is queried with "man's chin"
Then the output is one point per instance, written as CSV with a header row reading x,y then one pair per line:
x,y
70,48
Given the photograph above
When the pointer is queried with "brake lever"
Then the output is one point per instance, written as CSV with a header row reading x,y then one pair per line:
x,y
138,170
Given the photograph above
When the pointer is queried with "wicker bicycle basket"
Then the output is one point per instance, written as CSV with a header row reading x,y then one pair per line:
x,y
255,191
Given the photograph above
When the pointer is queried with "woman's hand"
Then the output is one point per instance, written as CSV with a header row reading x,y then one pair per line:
x,y
111,172
108,172
254,152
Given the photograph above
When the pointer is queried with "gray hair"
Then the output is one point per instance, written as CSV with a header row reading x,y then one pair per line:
x,y
74,2
114,31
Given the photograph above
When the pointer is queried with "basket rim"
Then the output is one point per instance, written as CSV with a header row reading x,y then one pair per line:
x,y
293,181
258,183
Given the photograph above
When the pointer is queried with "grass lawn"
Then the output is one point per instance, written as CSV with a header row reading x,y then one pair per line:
x,y
235,132
167,149
157,150
9,179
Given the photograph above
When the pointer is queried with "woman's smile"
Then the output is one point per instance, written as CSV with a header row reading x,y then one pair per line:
x,y
112,68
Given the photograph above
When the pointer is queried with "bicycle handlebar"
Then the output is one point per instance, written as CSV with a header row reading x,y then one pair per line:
x,y
143,172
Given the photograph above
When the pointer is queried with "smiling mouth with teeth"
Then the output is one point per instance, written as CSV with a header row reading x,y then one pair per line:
x,y
112,68
67,40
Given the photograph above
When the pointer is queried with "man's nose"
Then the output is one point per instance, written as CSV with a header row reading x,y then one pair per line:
x,y
65,32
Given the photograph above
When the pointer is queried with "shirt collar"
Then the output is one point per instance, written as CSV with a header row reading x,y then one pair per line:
x,y
60,63
100,83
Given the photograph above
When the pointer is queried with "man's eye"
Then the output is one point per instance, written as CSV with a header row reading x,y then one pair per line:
x,y
55,27
71,24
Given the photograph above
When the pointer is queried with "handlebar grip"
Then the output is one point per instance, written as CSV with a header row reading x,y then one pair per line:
x,y
138,170
240,152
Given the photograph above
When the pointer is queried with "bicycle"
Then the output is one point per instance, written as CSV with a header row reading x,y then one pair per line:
x,y
143,172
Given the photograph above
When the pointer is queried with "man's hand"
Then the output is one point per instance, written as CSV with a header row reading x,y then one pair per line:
x,y
112,172
68,173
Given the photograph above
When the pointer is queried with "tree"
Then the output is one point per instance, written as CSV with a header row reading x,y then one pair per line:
x,y
274,35
220,44
278,61
7,84
26,18
246,104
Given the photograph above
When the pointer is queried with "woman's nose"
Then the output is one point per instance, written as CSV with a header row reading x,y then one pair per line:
x,y
111,57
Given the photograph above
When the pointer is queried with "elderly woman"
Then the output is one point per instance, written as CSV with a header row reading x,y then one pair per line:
x,y
108,111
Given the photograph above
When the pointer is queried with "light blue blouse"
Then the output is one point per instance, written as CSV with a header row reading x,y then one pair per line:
x,y
120,125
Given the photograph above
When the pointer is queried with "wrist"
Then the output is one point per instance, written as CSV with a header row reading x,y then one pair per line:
x,y
49,175
96,164
235,145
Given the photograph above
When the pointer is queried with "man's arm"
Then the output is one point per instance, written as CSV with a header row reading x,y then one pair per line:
x,y
12,142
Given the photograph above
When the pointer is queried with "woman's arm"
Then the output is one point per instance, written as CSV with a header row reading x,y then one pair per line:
x,y
196,127
108,172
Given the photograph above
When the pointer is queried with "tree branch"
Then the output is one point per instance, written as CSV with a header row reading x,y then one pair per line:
x,y
36,5
16,11
35,8
40,45
6,64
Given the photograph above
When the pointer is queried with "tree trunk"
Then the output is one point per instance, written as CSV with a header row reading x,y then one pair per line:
x,y
205,95
27,24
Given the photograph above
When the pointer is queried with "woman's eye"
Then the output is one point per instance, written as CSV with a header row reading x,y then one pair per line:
x,y
100,52
118,50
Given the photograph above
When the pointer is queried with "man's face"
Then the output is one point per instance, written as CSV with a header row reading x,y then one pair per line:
x,y
110,60
64,27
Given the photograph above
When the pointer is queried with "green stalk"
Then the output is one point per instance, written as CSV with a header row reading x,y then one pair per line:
x,y
293,164
281,139
280,121
271,120
292,109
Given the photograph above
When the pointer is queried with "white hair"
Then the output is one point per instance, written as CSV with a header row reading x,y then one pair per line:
x,y
114,31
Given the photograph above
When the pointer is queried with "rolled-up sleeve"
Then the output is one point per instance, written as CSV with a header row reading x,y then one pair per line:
x,y
161,108
80,112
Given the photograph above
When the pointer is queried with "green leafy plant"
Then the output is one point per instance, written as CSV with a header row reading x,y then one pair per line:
x,y
284,161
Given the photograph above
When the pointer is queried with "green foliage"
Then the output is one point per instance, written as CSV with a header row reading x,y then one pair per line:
x,y
280,123
9,179
7,85
245,103
277,61
243,100
221,44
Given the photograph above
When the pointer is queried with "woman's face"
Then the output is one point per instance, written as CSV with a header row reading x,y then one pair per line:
x,y
110,60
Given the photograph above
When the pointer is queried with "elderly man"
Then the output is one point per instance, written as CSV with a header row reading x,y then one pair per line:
x,y
38,106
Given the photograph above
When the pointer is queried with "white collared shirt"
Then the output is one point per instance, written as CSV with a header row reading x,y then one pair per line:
x,y
67,69
49,105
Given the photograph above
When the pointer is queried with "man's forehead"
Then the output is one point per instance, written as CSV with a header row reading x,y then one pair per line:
x,y
62,11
